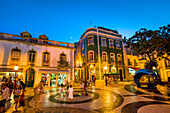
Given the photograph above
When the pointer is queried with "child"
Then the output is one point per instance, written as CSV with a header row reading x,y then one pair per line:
x,y
81,86
21,100
70,90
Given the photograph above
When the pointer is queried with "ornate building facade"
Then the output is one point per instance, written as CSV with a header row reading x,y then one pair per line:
x,y
100,51
37,59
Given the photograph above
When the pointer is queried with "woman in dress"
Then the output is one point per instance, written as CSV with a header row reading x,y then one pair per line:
x,y
70,90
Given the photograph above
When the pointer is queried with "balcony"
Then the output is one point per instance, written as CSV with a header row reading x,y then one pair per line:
x,y
62,64
120,63
31,63
112,62
45,63
91,61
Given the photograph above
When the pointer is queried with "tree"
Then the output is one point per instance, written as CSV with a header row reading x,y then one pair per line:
x,y
154,44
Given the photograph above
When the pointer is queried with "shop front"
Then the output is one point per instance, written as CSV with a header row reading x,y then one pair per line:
x,y
53,79
10,73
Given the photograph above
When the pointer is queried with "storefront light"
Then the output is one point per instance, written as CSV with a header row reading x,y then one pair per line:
x,y
16,68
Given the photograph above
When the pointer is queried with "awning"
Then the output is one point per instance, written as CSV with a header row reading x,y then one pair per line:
x,y
135,68
53,71
10,70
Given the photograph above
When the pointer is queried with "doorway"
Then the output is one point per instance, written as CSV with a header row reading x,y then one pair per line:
x,y
121,75
29,81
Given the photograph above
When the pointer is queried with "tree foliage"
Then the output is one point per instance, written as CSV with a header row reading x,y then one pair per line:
x,y
153,43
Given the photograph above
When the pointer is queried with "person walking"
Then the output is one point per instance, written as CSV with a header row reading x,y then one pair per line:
x,y
94,80
85,86
22,100
10,88
81,86
16,93
61,90
37,94
70,90
106,81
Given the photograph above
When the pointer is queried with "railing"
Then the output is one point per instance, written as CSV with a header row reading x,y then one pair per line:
x,y
11,37
62,64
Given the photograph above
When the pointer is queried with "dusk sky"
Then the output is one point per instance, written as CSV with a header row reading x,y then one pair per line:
x,y
66,20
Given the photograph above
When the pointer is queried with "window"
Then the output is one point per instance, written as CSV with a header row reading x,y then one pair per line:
x,y
167,63
135,63
118,44
104,56
15,55
112,58
90,40
46,58
62,57
82,44
31,56
91,56
103,41
111,43
119,59
129,63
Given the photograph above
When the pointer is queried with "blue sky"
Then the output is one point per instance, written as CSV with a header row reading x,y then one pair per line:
x,y
66,20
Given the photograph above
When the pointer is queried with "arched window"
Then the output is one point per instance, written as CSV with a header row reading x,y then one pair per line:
x,y
15,56
46,59
91,55
31,57
62,57
119,58
112,58
90,40
104,56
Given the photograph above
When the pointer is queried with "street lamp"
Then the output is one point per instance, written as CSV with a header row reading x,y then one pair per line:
x,y
153,67
15,68
105,69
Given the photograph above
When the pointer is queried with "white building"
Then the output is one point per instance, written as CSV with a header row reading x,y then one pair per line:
x,y
37,59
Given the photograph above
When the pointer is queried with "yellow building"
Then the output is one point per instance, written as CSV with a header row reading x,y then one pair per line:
x,y
136,62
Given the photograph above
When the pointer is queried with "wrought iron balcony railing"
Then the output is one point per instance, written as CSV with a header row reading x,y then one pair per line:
x,y
62,64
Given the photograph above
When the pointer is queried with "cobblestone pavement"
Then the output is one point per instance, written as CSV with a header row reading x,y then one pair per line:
x,y
119,97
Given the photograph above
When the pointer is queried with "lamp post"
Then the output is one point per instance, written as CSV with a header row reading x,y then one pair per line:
x,y
105,68
15,68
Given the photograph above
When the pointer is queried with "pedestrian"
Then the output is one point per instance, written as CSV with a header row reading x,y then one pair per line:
x,y
41,91
5,95
70,90
106,81
16,93
10,88
37,94
61,90
81,86
94,80
85,85
22,100
89,82
22,84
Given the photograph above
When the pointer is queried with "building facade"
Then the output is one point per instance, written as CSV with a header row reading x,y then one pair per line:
x,y
37,59
100,51
136,62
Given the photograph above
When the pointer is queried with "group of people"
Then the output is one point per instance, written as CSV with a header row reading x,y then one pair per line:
x,y
69,91
9,86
